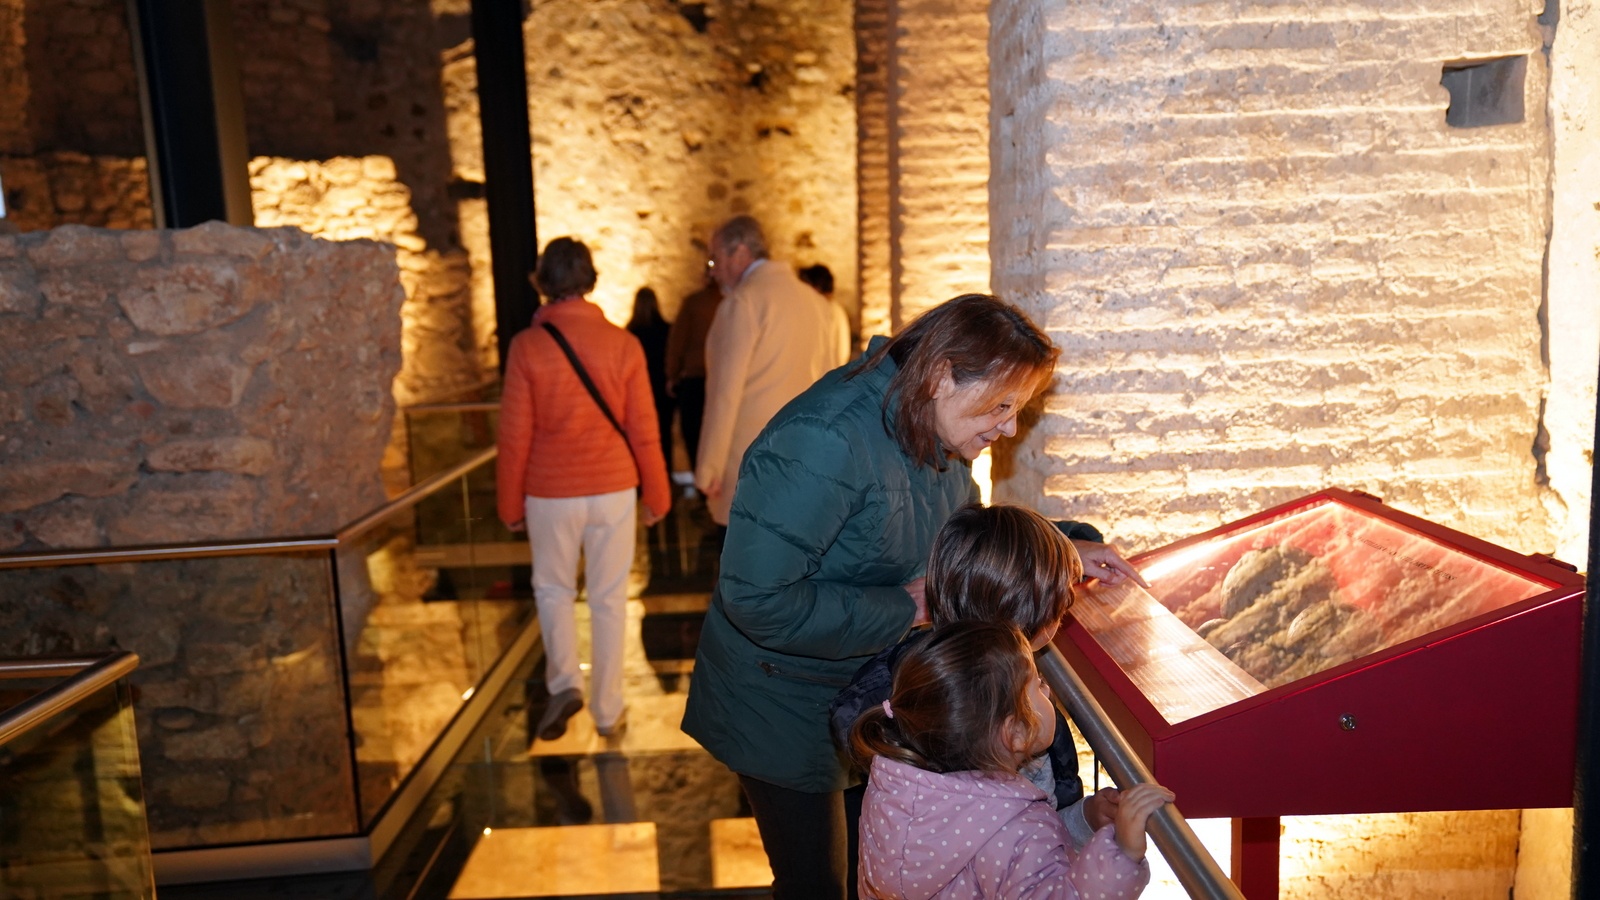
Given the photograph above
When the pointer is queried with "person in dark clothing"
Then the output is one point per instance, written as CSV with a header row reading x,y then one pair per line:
x,y
686,362
820,277
651,329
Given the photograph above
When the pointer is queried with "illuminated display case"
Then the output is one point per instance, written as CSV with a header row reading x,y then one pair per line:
x,y
1333,655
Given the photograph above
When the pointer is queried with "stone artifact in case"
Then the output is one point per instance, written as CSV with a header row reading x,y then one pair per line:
x,y
1332,655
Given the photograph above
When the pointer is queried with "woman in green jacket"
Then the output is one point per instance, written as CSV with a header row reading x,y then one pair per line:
x,y
838,502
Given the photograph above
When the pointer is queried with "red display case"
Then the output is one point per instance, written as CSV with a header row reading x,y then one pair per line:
x,y
1333,655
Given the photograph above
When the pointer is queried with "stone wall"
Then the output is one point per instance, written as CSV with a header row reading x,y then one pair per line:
x,y
196,385
78,86
1572,312
653,121
923,163
652,124
15,85
203,384
349,198
238,700
286,75
69,188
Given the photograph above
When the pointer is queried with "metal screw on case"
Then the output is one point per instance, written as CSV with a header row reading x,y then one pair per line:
x,y
1347,722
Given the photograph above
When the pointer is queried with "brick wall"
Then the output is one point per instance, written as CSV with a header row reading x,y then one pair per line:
x,y
1271,267
872,164
1269,263
939,151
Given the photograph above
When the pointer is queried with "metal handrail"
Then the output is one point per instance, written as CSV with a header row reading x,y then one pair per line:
x,y
416,494
160,552
459,406
1197,871
93,673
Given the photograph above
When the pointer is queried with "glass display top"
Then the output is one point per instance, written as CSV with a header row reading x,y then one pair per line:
x,y
1283,599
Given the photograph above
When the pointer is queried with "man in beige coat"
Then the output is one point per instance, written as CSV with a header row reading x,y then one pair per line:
x,y
773,335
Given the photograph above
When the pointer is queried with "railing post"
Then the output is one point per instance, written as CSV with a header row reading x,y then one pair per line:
x,y
1255,856
1586,779
1179,845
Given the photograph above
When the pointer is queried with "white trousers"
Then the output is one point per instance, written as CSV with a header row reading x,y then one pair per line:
x,y
601,526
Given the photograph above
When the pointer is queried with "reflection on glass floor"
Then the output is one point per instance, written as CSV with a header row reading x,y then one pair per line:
x,y
644,812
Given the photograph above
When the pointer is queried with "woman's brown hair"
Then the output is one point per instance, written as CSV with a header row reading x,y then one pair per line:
x,y
982,339
1002,564
952,694
565,269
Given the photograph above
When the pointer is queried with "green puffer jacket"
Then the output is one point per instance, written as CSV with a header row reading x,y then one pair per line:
x,y
829,521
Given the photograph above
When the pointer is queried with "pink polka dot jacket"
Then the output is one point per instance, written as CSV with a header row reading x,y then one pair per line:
x,y
975,834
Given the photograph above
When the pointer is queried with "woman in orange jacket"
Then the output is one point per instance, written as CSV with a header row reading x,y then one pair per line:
x,y
568,471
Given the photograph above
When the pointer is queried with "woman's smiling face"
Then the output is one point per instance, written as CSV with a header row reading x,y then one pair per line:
x,y
973,416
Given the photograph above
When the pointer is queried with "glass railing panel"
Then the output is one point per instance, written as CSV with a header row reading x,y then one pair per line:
x,y
439,436
72,815
243,733
432,595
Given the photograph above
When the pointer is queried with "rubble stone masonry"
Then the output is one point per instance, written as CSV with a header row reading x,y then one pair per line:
x,y
203,384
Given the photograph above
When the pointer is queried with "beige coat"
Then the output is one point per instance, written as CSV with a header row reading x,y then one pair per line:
x,y
771,338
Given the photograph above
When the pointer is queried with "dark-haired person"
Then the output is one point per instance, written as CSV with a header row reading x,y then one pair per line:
x,y
567,475
820,277
651,328
686,361
838,503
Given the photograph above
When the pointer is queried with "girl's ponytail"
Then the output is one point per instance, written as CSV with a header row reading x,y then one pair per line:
x,y
951,697
876,734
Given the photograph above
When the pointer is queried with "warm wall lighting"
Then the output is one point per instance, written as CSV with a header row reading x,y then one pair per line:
x,y
982,473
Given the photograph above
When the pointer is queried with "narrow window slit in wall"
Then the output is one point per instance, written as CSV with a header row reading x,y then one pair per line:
x,y
1484,92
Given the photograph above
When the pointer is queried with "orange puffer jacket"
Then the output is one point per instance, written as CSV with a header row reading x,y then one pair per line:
x,y
554,441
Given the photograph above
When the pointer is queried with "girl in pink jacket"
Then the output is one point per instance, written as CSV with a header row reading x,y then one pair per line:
x,y
946,813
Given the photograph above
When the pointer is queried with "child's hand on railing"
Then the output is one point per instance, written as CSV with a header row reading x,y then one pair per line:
x,y
1134,809
1100,808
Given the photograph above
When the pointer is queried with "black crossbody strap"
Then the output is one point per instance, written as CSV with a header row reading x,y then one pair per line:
x,y
583,376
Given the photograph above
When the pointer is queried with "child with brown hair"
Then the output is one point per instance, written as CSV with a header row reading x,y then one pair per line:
x,y
1010,565
947,811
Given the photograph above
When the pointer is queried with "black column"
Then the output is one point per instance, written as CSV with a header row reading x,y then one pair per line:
x,y
193,111
507,162
1586,783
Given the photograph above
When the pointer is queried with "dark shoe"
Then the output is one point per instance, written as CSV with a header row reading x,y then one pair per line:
x,y
562,706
